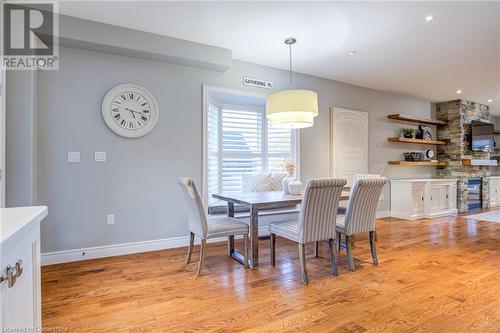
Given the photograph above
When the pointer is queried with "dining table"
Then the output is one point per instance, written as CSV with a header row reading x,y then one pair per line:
x,y
257,201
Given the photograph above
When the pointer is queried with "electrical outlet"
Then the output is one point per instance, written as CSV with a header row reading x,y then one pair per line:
x,y
100,156
74,157
111,219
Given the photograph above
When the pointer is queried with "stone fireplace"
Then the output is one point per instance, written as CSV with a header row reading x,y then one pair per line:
x,y
457,132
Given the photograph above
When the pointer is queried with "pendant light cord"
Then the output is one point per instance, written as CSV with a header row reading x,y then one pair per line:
x,y
290,46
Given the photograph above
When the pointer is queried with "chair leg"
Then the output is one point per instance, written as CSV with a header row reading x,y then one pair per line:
x,y
333,259
245,255
203,245
230,245
190,248
373,238
316,249
302,259
349,252
339,240
272,248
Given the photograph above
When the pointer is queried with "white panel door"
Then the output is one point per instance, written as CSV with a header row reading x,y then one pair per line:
x,y
349,143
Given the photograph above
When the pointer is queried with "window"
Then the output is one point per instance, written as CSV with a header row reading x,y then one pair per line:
x,y
240,140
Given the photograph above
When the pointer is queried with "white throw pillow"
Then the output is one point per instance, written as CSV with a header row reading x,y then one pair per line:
x,y
276,182
256,182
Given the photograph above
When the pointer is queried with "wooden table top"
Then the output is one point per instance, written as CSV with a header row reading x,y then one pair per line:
x,y
261,198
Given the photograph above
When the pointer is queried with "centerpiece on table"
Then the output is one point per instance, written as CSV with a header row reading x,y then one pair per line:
x,y
291,185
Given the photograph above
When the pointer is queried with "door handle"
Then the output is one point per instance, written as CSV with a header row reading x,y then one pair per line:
x,y
11,276
12,273
19,268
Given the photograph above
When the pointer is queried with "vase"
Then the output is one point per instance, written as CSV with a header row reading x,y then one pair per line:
x,y
295,187
287,180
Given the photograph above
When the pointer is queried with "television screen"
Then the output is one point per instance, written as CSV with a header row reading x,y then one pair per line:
x,y
483,136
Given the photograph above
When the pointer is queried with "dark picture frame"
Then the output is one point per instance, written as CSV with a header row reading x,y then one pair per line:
x,y
426,132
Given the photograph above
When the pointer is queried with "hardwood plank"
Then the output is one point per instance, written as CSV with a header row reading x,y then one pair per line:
x,y
433,275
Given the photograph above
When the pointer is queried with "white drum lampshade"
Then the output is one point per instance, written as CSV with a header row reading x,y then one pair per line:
x,y
292,108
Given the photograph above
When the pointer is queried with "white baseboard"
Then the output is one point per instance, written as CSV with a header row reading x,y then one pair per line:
x,y
59,257
383,213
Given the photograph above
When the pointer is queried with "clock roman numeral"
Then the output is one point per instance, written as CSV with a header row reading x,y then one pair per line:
x,y
124,97
144,118
117,116
123,122
131,95
116,109
130,124
145,111
144,104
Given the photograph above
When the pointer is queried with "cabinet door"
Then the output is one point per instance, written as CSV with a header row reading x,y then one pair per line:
x,y
494,192
417,195
21,302
443,198
434,198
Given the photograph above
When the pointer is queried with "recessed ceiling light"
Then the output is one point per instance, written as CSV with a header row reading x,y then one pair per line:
x,y
490,100
352,52
429,18
459,91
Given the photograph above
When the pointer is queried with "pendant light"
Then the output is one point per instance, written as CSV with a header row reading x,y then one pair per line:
x,y
292,108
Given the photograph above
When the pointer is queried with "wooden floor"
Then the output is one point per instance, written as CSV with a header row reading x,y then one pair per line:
x,y
439,275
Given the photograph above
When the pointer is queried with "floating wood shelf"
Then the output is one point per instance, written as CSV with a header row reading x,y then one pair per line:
x,y
418,163
411,119
419,141
497,132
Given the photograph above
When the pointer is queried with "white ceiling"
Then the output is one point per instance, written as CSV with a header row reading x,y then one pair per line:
x,y
397,50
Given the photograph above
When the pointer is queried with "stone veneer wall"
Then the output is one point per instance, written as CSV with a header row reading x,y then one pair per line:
x,y
457,133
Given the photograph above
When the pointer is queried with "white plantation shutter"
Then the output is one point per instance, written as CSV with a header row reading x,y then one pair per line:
x,y
242,146
213,151
240,141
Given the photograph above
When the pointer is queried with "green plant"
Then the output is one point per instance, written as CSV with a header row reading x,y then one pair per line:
x,y
405,131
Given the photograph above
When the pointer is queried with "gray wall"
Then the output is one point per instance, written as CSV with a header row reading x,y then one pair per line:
x,y
21,138
137,184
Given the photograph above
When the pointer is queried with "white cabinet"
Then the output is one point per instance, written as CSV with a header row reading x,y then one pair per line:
x,y
414,199
20,291
495,191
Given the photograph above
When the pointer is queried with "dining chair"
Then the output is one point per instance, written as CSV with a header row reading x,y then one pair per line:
x,y
208,227
316,221
360,214
342,205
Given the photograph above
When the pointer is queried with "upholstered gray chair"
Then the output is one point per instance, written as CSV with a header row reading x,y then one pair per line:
x,y
361,214
316,220
342,204
208,227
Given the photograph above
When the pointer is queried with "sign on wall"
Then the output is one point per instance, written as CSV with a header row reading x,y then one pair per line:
x,y
248,81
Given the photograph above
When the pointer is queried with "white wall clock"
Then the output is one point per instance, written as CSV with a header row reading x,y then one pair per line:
x,y
130,110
